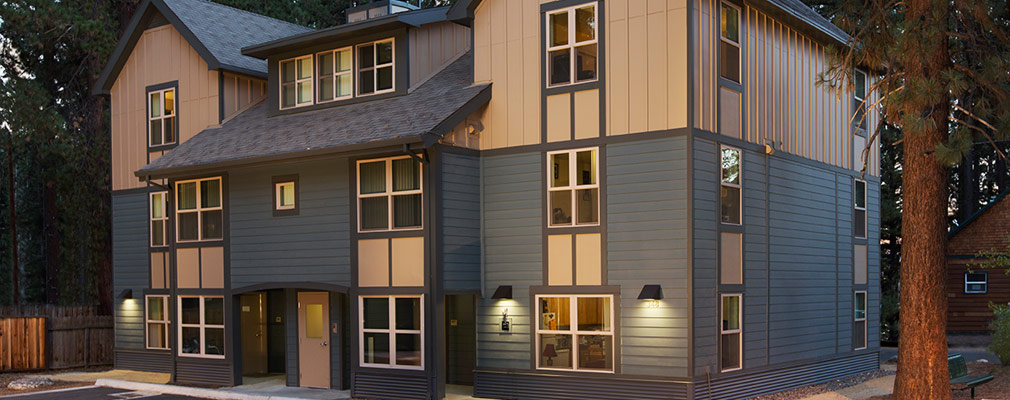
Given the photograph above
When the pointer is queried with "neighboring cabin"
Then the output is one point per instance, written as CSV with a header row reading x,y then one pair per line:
x,y
539,199
970,287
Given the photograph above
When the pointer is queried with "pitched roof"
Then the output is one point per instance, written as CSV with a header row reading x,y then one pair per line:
x,y
423,115
217,32
971,218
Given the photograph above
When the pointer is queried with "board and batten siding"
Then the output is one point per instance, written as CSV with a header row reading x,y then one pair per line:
x,y
130,266
513,224
241,92
461,256
312,246
782,100
433,46
647,243
161,55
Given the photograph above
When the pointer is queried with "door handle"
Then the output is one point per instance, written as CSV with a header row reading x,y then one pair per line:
x,y
324,344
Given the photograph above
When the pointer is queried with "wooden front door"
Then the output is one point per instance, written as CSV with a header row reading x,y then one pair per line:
x,y
314,339
254,333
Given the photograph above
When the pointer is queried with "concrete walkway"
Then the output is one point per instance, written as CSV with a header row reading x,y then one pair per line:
x,y
118,374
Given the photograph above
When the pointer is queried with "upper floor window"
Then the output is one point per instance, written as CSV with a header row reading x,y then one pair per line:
x,y
389,194
729,45
284,196
296,82
334,74
859,99
576,333
199,214
572,42
731,210
159,219
162,118
573,187
976,282
859,209
375,67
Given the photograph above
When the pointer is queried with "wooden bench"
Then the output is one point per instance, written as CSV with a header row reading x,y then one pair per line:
x,y
959,374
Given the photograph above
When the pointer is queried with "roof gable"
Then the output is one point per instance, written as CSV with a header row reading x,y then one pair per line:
x,y
215,31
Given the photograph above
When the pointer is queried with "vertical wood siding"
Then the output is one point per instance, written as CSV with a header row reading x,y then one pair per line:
x,y
161,55
241,92
130,266
461,222
433,46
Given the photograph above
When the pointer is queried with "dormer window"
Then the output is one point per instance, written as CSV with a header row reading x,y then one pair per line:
x,y
296,82
572,45
334,74
375,67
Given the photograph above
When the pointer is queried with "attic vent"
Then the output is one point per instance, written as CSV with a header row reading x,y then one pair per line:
x,y
376,9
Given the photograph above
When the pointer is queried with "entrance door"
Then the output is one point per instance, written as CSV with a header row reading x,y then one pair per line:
x,y
314,339
460,339
254,333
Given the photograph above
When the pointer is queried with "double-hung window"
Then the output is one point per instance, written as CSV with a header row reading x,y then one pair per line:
x,y
859,99
389,194
576,332
729,43
159,219
392,332
859,209
199,214
574,187
161,119
572,42
296,82
375,67
976,282
730,197
334,70
201,326
859,321
731,333
157,321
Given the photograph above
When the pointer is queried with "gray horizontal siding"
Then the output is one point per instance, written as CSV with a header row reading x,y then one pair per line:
x,y
140,360
377,384
461,222
749,384
503,385
705,210
130,265
647,243
195,371
513,226
312,246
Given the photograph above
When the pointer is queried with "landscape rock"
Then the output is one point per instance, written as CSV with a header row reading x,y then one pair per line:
x,y
30,383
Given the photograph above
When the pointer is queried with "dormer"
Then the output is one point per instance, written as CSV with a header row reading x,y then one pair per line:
x,y
377,9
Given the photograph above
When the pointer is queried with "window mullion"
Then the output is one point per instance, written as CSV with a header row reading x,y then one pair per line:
x,y
571,48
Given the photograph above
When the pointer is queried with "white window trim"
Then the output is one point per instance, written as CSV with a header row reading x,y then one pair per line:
x,y
735,43
335,74
198,210
855,206
855,318
855,93
164,218
392,331
722,332
311,79
389,193
967,282
738,186
277,195
203,328
163,116
148,321
375,65
573,186
572,44
574,332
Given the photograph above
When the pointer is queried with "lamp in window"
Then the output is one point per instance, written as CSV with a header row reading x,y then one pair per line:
x,y
652,294
550,353
502,292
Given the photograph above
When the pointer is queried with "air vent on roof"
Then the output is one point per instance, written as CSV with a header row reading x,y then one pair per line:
x,y
376,9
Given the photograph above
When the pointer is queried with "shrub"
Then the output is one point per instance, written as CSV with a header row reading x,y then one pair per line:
x,y
1000,326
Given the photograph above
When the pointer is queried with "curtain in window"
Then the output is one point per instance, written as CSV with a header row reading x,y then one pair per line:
x,y
406,208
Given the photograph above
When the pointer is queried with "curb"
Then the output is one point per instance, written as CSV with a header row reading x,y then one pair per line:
x,y
185,391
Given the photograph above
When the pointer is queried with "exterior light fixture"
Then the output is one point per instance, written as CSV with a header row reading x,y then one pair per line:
x,y
503,292
651,294
126,294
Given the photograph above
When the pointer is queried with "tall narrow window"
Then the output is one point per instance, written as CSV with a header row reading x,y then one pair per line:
x,y
201,326
859,99
859,209
729,44
730,197
296,82
157,322
159,219
375,67
389,194
334,75
573,187
161,118
576,333
859,321
731,333
572,41
391,332
199,214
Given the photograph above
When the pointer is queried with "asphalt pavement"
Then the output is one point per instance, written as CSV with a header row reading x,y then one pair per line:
x,y
96,393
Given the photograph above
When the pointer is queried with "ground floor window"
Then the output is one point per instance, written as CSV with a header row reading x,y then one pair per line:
x,y
731,333
576,332
859,321
157,322
391,333
201,326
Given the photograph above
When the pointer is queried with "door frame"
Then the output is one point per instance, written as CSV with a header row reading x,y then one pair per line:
x,y
328,335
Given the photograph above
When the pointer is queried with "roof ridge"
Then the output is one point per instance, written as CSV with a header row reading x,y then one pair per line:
x,y
251,13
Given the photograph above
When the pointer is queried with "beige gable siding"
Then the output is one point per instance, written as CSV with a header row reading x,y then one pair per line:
x,y
782,100
433,46
161,55
240,93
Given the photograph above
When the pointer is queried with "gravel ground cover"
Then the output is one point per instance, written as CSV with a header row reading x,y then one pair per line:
x,y
807,391
7,378
997,389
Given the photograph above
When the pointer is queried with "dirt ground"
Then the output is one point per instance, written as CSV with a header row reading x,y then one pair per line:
x,y
997,389
7,378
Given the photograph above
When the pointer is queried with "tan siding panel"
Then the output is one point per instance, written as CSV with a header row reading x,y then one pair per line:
x,y
188,268
559,117
588,268
373,262
559,260
212,267
587,114
433,46
408,261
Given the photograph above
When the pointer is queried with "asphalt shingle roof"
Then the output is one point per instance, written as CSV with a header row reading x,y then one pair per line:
x,y
254,135
224,30
805,13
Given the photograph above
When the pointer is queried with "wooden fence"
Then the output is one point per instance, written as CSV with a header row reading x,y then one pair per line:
x,y
53,337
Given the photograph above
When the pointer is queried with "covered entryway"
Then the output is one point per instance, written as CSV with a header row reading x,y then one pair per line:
x,y
261,319
460,338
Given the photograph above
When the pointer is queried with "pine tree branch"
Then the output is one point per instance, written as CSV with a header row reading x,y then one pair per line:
x,y
980,130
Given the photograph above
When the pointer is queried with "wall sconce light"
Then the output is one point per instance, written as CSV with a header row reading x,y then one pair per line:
x,y
502,292
126,294
651,294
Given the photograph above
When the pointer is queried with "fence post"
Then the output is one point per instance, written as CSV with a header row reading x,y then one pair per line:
x,y
87,347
